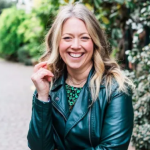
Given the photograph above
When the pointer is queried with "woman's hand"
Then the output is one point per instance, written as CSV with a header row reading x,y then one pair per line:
x,y
41,78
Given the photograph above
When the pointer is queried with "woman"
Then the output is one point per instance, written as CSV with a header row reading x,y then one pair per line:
x,y
82,99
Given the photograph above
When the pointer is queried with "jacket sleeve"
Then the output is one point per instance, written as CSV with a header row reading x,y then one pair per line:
x,y
118,123
40,134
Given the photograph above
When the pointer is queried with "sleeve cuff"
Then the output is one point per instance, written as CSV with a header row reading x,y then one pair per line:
x,y
41,104
49,99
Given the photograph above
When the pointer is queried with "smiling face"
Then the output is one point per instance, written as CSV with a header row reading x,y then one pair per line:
x,y
76,45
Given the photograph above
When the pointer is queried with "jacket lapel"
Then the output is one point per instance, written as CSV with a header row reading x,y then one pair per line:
x,y
79,110
59,97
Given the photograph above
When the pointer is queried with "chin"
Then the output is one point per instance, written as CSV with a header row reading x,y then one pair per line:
x,y
74,66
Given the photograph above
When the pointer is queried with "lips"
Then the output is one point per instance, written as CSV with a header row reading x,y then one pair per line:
x,y
76,55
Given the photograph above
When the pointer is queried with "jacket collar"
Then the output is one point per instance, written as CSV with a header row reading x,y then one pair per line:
x,y
60,81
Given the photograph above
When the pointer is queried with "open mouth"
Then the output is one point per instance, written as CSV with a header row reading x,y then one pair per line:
x,y
74,55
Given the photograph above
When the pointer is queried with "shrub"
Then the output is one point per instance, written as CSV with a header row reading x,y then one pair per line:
x,y
31,32
10,20
22,34
141,97
139,56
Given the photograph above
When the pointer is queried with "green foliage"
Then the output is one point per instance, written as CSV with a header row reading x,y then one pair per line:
x,y
140,57
30,29
22,34
46,12
34,28
31,33
5,4
141,98
29,53
10,41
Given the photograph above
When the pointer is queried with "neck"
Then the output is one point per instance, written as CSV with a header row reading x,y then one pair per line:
x,y
78,77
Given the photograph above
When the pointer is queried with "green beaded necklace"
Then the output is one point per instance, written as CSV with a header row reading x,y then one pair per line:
x,y
72,95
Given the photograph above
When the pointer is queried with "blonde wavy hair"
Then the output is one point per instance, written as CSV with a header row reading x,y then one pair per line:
x,y
105,67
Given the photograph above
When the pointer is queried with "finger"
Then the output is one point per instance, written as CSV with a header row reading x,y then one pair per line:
x,y
49,78
44,73
43,69
39,65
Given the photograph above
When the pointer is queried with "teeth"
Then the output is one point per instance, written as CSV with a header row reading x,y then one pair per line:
x,y
75,55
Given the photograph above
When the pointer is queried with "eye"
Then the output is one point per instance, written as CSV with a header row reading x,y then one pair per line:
x,y
67,38
85,38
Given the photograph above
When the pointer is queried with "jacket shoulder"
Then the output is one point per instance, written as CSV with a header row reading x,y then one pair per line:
x,y
113,89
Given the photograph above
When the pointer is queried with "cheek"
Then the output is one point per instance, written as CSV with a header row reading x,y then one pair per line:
x,y
63,46
90,47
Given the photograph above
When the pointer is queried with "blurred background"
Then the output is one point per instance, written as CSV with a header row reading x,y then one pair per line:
x,y
23,26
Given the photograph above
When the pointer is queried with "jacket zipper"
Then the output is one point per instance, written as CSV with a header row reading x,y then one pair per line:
x,y
90,127
59,111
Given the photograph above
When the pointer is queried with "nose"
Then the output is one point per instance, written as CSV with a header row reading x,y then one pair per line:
x,y
76,44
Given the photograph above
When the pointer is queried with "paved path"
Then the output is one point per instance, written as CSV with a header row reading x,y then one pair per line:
x,y
16,91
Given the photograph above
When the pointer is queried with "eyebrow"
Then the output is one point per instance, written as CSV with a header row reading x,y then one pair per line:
x,y
79,34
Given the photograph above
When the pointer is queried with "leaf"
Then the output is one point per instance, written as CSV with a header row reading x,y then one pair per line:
x,y
143,10
120,1
97,3
89,6
105,20
67,1
118,6
113,15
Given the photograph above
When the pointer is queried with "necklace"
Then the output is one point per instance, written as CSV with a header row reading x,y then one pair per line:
x,y
71,81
